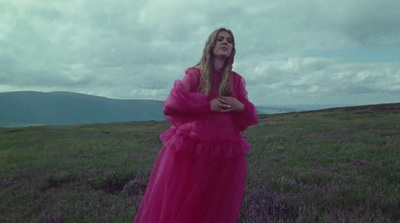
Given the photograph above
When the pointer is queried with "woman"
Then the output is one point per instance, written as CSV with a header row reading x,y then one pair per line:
x,y
200,172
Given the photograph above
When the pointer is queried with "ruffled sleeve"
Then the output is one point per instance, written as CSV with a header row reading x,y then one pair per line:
x,y
184,103
249,115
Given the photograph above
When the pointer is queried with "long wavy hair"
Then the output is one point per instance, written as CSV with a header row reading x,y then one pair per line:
x,y
207,67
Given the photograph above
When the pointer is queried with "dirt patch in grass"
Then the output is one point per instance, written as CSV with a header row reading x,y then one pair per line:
x,y
114,182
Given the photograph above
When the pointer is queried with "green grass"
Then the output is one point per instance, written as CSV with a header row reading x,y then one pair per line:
x,y
339,165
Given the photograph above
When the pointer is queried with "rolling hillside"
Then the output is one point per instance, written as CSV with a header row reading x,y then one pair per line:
x,y
66,108
29,108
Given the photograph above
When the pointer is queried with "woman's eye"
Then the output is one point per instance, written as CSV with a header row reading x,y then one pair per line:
x,y
222,39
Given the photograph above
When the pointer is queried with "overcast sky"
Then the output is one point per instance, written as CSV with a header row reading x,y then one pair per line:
x,y
289,52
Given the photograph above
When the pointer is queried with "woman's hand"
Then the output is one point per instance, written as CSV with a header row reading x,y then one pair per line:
x,y
226,104
217,105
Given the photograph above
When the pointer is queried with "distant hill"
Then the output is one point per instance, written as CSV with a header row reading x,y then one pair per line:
x,y
29,108
362,109
278,109
26,108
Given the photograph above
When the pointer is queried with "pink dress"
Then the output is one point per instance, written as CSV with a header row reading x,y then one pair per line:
x,y
199,175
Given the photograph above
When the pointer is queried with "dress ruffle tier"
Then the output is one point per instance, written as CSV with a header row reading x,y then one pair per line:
x,y
184,141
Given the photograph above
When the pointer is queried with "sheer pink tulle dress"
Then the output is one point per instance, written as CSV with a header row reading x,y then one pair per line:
x,y
199,174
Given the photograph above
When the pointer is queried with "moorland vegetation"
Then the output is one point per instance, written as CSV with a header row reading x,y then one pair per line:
x,y
335,165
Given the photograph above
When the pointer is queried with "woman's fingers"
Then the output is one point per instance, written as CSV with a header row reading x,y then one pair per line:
x,y
216,105
227,99
232,104
219,105
226,104
222,103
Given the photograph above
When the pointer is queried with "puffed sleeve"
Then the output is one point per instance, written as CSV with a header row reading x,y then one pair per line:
x,y
248,116
184,103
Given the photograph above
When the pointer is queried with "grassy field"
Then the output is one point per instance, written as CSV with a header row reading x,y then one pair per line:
x,y
339,165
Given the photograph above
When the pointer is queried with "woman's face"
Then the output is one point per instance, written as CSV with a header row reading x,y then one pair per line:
x,y
223,45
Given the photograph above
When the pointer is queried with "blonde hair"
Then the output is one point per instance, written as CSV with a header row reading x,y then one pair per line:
x,y
207,67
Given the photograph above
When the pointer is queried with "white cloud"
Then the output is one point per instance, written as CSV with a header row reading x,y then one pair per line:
x,y
135,49
322,81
